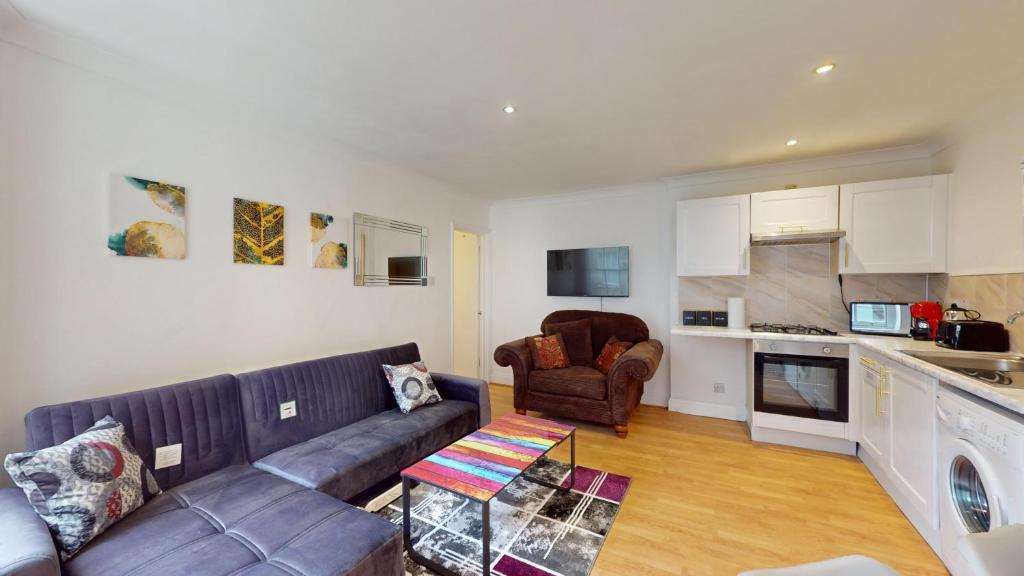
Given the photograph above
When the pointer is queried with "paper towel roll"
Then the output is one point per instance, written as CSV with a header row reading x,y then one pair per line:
x,y
737,313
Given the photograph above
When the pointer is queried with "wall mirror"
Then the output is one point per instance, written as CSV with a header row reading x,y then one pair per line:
x,y
388,252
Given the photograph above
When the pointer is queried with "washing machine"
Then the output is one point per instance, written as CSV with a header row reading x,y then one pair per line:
x,y
981,471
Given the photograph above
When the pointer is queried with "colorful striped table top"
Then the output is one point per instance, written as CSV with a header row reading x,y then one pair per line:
x,y
483,463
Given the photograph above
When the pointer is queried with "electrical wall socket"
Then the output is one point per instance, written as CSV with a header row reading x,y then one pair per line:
x,y
288,410
719,388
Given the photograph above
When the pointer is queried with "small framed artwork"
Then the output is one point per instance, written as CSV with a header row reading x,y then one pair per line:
x,y
327,241
146,218
258,233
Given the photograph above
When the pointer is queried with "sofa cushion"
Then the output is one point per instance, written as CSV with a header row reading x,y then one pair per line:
x,y
578,381
202,416
329,393
83,486
347,461
412,385
240,520
576,335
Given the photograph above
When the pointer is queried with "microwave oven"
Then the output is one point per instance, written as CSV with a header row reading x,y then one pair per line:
x,y
880,318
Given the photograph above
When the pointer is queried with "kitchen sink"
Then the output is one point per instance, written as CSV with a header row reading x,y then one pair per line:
x,y
989,367
973,360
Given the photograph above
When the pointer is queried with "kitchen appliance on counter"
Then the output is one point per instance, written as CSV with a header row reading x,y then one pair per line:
x,y
801,395
977,335
800,329
880,318
925,320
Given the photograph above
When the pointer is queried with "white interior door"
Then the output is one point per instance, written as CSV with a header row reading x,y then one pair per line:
x,y
466,311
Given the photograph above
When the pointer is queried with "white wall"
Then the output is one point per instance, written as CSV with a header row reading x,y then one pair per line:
x,y
642,217
77,323
984,155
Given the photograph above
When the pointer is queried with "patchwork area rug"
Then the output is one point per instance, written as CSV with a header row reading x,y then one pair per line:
x,y
535,531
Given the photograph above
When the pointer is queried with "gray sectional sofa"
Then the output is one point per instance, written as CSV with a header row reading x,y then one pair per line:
x,y
254,495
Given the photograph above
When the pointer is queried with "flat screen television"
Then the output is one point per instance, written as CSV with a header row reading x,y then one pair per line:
x,y
589,272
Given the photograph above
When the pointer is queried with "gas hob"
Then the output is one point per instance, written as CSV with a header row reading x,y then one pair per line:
x,y
800,329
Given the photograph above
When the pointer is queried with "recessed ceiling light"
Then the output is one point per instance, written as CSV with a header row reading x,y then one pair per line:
x,y
824,68
509,109
791,142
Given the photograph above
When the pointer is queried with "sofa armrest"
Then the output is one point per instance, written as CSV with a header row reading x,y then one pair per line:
x,y
517,355
468,389
26,547
641,361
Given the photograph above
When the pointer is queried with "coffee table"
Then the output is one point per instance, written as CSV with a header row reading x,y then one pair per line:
x,y
481,465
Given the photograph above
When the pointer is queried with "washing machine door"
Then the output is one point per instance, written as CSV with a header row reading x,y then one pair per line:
x,y
973,490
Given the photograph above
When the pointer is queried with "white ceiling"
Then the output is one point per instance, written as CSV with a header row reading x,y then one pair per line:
x,y
608,92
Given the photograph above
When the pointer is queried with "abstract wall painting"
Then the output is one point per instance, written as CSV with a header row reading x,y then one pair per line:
x,y
146,218
327,248
258,233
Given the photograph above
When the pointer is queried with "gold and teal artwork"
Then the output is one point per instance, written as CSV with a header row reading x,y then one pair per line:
x,y
147,218
259,233
327,248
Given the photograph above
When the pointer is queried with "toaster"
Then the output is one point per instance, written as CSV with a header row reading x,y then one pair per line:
x,y
977,335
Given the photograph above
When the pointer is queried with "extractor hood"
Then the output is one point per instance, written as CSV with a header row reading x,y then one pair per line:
x,y
796,237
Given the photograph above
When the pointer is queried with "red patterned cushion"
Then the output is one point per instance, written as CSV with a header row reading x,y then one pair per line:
x,y
610,353
548,352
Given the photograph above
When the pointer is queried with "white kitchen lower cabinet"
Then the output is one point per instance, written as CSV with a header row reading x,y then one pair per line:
x,y
874,413
898,437
913,455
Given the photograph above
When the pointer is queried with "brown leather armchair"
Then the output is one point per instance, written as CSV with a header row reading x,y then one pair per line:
x,y
583,392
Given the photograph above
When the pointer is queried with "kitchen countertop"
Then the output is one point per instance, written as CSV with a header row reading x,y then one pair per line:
x,y
888,346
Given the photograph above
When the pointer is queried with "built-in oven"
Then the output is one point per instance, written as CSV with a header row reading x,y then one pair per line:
x,y
802,379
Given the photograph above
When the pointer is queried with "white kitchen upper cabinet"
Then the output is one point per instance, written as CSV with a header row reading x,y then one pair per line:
x,y
713,236
796,210
913,448
894,226
874,408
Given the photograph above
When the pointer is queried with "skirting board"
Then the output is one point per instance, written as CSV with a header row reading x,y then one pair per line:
x,y
501,379
723,411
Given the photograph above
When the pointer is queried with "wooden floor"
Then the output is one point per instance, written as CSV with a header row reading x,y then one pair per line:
x,y
707,500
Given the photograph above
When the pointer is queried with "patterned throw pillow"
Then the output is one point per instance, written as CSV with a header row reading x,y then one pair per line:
x,y
83,486
613,348
411,385
548,352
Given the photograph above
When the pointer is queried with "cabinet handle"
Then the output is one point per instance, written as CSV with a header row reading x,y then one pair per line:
x,y
846,253
883,382
878,401
868,362
795,227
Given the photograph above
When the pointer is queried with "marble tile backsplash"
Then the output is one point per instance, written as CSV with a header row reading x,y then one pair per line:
x,y
996,296
798,285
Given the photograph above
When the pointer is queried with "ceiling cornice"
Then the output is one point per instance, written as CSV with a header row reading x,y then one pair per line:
x,y
822,163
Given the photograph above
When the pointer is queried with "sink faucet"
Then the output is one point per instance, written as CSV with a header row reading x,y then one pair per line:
x,y
1013,317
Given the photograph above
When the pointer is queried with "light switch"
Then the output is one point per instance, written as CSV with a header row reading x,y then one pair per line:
x,y
288,410
167,456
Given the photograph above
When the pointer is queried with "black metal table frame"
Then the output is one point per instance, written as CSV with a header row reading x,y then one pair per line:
x,y
485,506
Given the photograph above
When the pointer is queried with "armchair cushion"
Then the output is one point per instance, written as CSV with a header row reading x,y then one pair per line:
x,y
577,381
610,353
576,336
548,352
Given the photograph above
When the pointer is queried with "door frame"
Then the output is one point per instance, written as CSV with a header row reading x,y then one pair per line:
x,y
483,324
